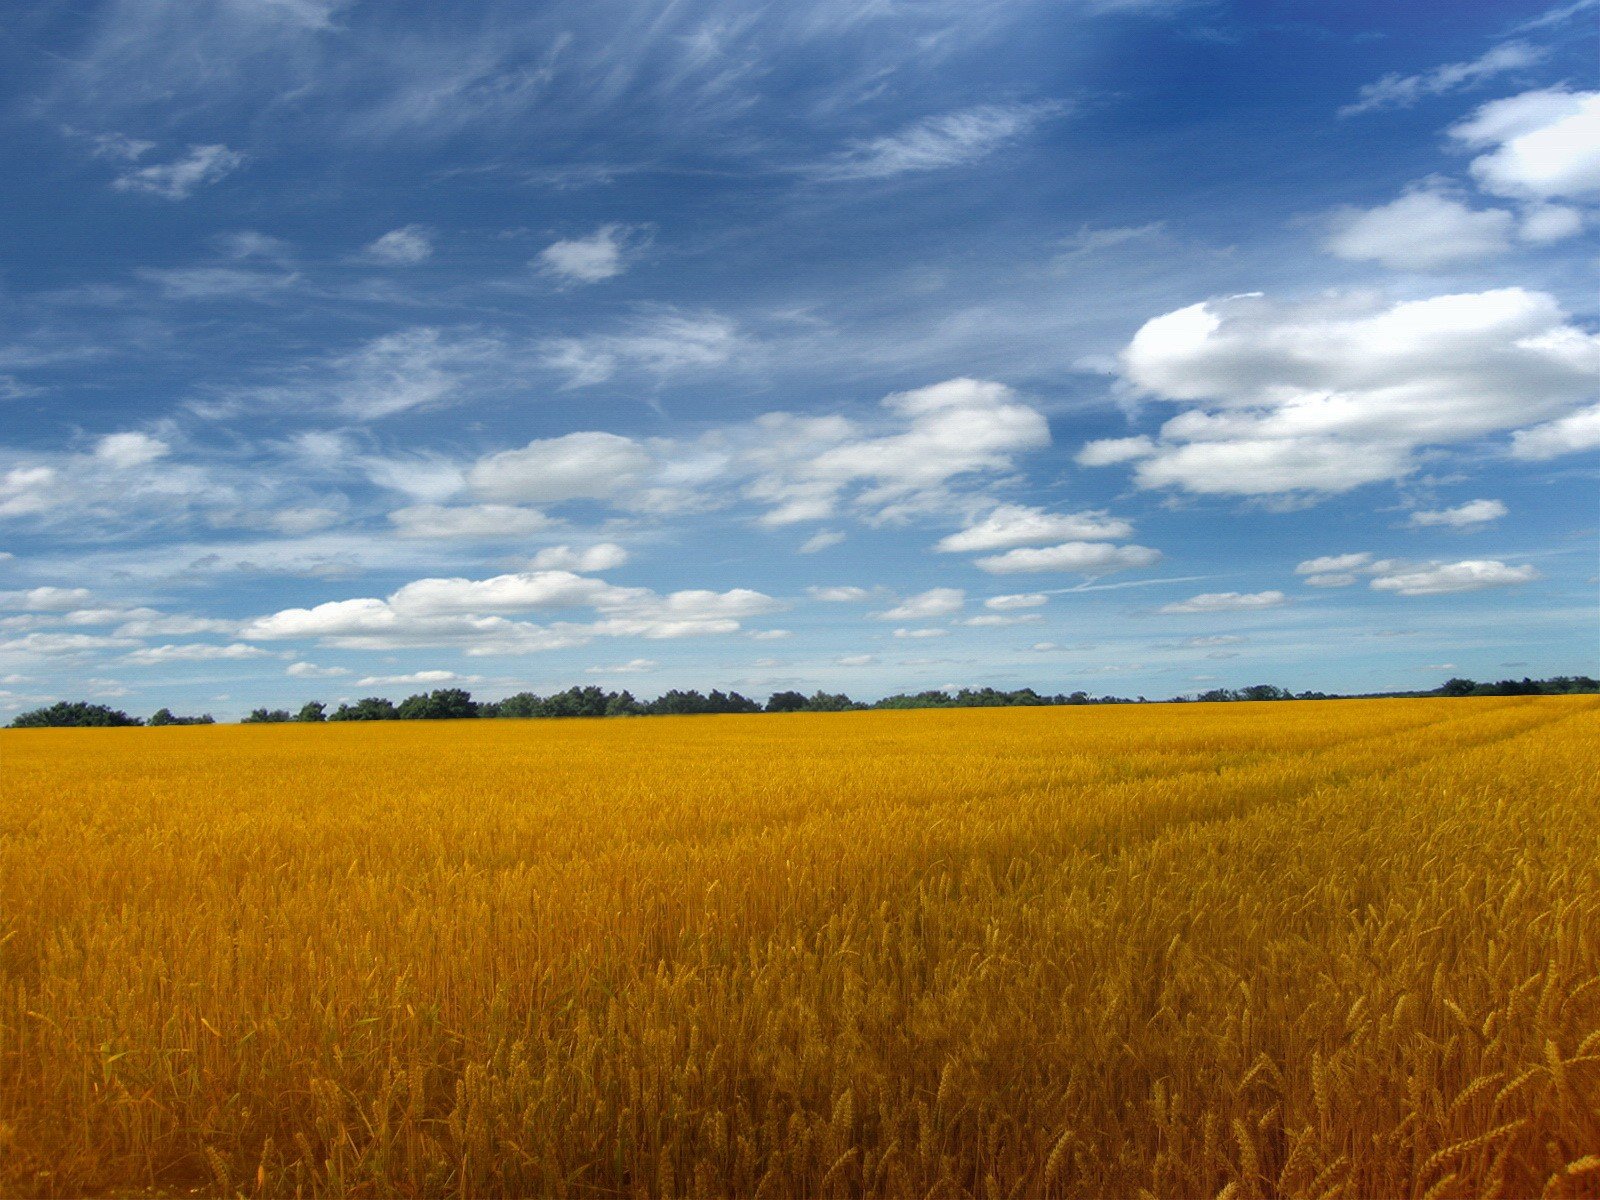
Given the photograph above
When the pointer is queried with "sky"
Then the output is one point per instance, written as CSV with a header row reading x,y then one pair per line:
x,y
1134,346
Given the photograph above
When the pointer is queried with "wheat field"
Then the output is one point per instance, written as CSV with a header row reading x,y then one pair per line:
x,y
1345,948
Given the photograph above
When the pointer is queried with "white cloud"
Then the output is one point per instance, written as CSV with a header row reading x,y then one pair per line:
x,y
1019,600
422,677
999,620
902,464
1215,602
921,633
936,143
1019,525
935,602
856,660
129,449
414,368
591,259
438,611
839,595
1338,570
1327,396
955,428
1402,91
770,635
1545,223
1334,562
603,556
177,180
821,540
576,465
1423,230
1107,452
634,666
1569,435
307,670
51,644
193,652
1541,145
1473,512
468,522
46,599
403,247
662,342
148,623
1086,558
520,592
1447,578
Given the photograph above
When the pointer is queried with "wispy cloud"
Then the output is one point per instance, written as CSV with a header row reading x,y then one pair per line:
x,y
1402,91
937,143
178,179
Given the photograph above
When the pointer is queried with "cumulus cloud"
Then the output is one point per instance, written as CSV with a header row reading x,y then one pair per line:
x,y
178,179
1473,512
1217,602
129,449
1540,145
937,143
1423,230
576,465
1402,91
947,430
600,256
1084,558
927,632
469,612
1334,570
46,599
1330,395
1019,525
602,556
839,595
935,602
1108,452
1441,579
403,247
308,670
1568,435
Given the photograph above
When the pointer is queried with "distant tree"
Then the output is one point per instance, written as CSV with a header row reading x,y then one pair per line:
x,y
266,716
623,705
1264,691
65,714
523,704
443,704
371,708
786,702
821,701
575,702
312,710
163,716
1458,687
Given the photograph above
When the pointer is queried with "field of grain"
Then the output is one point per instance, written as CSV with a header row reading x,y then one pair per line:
x,y
1330,948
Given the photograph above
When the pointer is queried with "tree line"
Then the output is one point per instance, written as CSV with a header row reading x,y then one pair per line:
x,y
453,704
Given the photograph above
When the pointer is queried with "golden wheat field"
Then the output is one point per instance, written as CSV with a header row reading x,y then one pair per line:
x,y
1304,949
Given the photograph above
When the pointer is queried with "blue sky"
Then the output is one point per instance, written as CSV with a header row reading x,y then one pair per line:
x,y
1136,346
